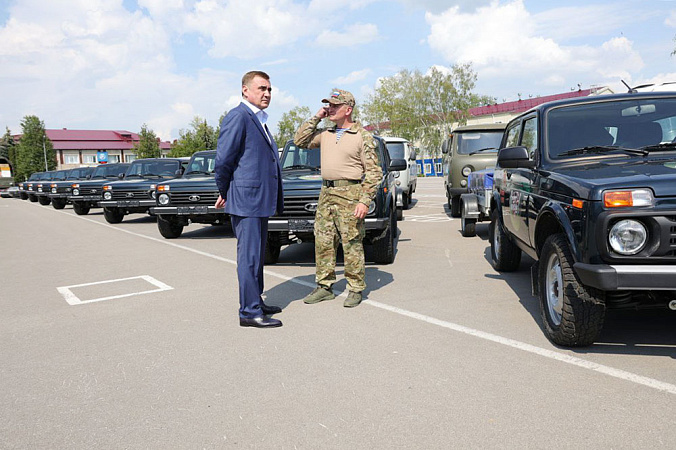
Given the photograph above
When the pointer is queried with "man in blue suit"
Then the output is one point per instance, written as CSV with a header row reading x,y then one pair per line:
x,y
250,185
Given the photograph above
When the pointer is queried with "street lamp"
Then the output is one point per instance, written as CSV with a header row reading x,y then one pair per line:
x,y
44,148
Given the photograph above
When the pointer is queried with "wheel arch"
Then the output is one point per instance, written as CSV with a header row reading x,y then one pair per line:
x,y
553,219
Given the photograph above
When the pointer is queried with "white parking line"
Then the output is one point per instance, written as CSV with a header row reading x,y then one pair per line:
x,y
550,354
73,299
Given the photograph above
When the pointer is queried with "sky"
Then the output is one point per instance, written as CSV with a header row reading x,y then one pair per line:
x,y
119,64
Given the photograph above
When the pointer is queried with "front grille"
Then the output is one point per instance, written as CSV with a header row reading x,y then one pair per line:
x,y
135,195
300,206
198,198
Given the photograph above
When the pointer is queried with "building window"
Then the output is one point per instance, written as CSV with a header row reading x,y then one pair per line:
x,y
113,159
71,159
89,159
130,157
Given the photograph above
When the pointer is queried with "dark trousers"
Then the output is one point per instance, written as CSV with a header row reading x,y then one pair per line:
x,y
251,234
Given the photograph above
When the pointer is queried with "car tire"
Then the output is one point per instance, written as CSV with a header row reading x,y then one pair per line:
x,y
58,203
23,196
272,250
113,215
44,201
383,248
32,198
572,314
505,254
81,209
467,226
454,204
406,200
400,213
169,228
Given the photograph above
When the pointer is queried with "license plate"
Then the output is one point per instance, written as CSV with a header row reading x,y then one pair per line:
x,y
301,225
129,203
202,209
91,197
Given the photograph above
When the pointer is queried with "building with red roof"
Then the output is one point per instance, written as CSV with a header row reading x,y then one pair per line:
x,y
75,148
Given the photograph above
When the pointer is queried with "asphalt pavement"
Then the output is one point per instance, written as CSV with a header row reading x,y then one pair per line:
x,y
114,337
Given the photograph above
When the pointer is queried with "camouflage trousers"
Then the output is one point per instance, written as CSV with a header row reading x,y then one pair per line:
x,y
334,222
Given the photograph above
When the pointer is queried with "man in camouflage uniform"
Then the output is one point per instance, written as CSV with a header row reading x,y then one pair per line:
x,y
350,172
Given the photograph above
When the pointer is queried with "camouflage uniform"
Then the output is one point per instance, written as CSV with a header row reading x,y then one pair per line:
x,y
335,220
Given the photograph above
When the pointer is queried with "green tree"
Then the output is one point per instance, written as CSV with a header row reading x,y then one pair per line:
x,y
423,107
201,137
34,152
7,147
289,123
148,145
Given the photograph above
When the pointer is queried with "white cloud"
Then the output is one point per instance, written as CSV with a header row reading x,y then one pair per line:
x,y
670,21
352,77
437,6
520,51
357,34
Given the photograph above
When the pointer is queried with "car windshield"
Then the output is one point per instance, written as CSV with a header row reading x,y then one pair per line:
x,y
60,175
396,150
474,142
202,164
153,168
612,128
301,158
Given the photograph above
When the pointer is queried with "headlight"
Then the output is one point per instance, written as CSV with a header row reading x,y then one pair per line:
x,y
76,191
163,199
107,195
372,208
628,237
396,174
622,199
463,183
53,190
466,171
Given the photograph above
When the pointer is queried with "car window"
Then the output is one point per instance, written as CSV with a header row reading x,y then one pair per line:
x,y
529,138
512,139
295,156
396,150
471,142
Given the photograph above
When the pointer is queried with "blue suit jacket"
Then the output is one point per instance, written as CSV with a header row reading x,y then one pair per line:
x,y
247,169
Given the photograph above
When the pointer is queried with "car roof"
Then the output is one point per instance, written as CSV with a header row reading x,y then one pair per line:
x,y
481,127
393,139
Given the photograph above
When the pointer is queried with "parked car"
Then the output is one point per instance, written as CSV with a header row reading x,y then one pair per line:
x,y
189,199
469,148
136,193
41,188
61,189
302,183
25,186
86,194
587,187
6,177
406,180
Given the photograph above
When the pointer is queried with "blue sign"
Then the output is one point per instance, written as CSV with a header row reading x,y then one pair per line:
x,y
102,156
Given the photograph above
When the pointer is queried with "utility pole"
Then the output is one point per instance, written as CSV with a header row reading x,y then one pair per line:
x,y
44,148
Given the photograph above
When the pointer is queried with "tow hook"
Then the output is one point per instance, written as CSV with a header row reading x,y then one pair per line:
x,y
672,305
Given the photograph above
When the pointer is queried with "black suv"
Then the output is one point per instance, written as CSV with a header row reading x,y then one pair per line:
x,y
25,187
60,189
136,193
190,198
85,195
302,183
41,188
587,187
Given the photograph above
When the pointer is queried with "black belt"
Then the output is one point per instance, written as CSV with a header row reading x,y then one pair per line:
x,y
339,183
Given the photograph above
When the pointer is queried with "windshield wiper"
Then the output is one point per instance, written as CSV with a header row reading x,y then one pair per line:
x,y
134,175
302,166
599,149
148,175
482,150
199,171
662,146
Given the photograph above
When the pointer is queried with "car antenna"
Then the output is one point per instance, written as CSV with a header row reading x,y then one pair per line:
x,y
631,91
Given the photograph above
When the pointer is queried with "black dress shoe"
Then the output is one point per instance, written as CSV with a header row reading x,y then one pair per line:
x,y
260,322
270,309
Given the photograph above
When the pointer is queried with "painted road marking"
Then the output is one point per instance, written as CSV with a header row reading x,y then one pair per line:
x,y
545,353
72,299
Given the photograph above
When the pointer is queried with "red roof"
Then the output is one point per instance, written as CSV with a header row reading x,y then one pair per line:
x,y
65,139
524,105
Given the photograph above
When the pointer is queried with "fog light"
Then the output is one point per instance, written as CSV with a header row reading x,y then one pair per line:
x,y
463,183
163,199
76,191
628,237
107,195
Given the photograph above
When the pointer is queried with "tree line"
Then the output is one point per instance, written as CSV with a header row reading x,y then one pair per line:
x,y
419,107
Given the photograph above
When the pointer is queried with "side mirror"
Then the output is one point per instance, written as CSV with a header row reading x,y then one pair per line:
x,y
179,172
412,156
120,176
398,164
515,158
444,147
88,177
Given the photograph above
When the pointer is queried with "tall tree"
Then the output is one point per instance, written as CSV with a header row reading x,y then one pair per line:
x,y
289,123
148,145
201,137
35,152
7,145
423,107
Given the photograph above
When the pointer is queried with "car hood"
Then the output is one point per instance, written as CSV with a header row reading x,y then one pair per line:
x,y
294,180
192,183
592,179
136,183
